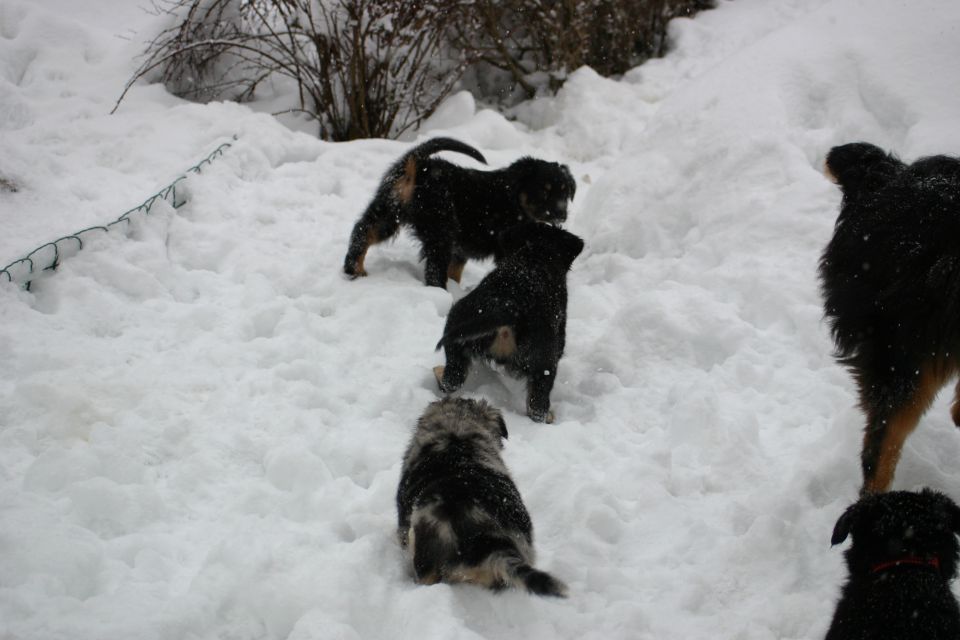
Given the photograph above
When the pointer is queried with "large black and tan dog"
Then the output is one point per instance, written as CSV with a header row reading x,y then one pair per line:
x,y
901,562
460,516
456,213
517,315
891,285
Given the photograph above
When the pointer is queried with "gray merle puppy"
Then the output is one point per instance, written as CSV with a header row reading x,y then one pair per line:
x,y
460,517
517,315
901,562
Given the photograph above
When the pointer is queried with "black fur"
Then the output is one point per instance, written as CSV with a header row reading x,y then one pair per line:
x,y
525,298
891,286
458,504
455,212
901,562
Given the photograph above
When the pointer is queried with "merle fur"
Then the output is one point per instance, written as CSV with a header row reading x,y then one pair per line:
x,y
455,212
525,294
881,601
460,516
891,283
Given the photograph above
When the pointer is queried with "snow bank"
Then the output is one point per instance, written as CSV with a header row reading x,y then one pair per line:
x,y
202,421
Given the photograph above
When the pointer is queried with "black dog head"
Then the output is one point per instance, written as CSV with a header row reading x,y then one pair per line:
x,y
549,244
544,189
901,525
860,164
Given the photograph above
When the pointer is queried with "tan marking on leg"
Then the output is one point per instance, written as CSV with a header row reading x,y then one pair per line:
x,y
900,425
455,271
504,345
405,184
429,579
372,239
482,575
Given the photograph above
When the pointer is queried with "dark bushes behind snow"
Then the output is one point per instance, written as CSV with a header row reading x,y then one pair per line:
x,y
375,68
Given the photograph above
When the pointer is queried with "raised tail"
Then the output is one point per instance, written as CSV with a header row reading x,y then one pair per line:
x,y
402,178
436,145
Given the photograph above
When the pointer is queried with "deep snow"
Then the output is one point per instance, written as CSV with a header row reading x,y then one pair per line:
x,y
201,421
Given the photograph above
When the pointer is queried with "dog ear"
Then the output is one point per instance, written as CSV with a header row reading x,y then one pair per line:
x,y
503,426
568,179
953,512
572,245
858,164
844,524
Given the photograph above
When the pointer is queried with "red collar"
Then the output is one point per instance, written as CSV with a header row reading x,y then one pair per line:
x,y
914,560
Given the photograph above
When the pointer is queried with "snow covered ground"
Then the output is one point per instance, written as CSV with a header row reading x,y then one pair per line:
x,y
201,421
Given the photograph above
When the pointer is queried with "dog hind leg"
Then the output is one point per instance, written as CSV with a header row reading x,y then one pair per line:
x,y
431,552
890,419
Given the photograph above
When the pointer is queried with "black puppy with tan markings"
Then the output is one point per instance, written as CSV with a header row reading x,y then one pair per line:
x,y
516,316
455,212
891,286
901,562
460,516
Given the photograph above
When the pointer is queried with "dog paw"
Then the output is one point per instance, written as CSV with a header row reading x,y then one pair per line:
x,y
354,271
539,416
444,387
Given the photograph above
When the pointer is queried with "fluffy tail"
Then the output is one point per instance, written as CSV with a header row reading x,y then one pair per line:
x,y
539,582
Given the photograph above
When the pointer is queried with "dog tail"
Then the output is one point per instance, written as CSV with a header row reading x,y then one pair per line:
x,y
403,176
540,583
508,569
436,145
471,320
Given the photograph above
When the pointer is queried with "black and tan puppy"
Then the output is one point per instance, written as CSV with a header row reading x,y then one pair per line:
x,y
901,562
891,286
460,517
456,213
517,315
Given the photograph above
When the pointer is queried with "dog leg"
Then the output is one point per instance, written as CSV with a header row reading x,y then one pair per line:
x,y
539,385
376,225
437,258
455,269
452,376
890,421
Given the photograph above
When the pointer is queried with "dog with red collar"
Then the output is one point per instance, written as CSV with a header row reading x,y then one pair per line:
x,y
901,562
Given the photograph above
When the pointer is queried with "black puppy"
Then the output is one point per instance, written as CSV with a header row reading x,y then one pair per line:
x,y
517,315
460,517
456,212
901,562
891,286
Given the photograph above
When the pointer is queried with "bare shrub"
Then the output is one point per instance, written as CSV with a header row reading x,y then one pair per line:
x,y
362,68
529,38
376,68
